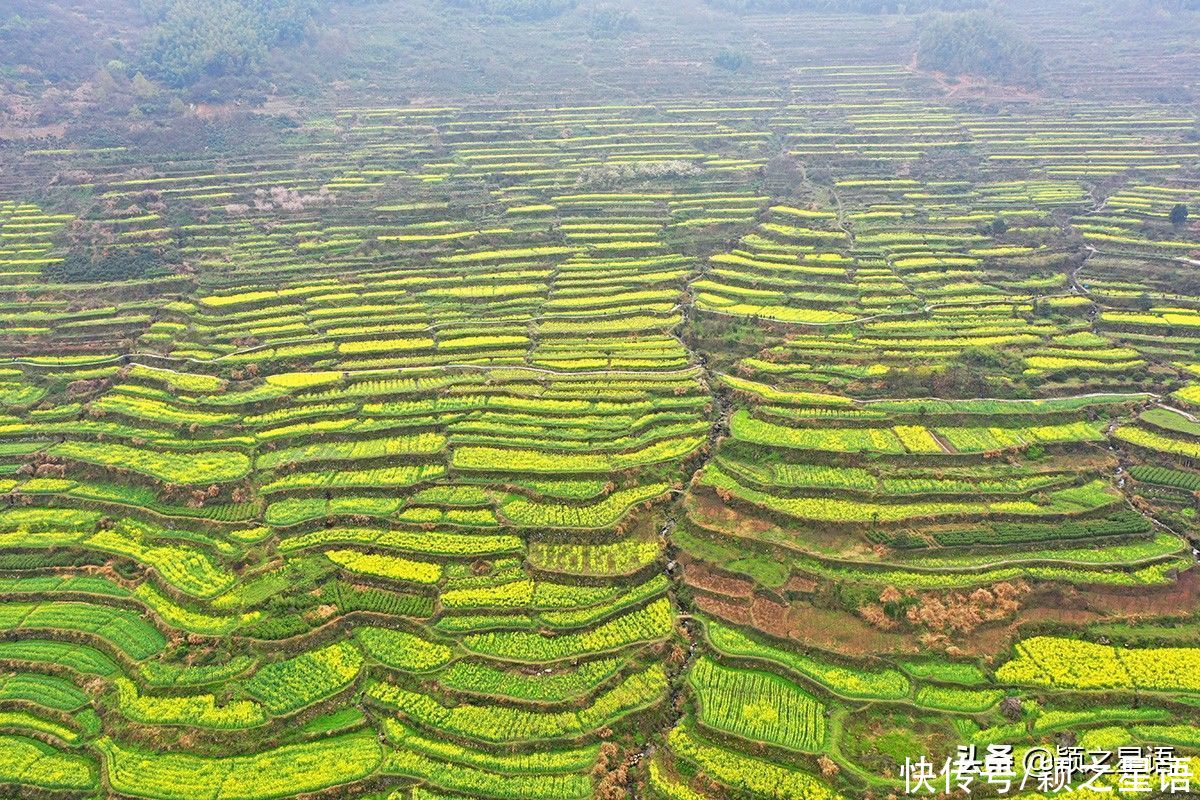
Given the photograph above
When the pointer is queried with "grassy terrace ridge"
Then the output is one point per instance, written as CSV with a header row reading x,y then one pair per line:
x,y
520,400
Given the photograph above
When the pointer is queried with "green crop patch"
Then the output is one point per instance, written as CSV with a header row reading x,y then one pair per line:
x,y
757,706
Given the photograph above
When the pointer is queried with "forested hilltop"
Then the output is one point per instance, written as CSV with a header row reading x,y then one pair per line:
x,y
554,400
142,63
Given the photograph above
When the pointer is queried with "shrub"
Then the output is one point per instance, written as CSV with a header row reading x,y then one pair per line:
x,y
97,265
731,60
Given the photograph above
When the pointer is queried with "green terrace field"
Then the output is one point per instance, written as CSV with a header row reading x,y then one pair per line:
x,y
707,447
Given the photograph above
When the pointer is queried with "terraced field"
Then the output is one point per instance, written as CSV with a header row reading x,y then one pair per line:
x,y
702,448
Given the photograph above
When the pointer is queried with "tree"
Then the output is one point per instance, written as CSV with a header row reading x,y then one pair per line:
x,y
523,10
194,39
829,767
607,23
142,88
731,60
1179,214
979,44
1011,708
